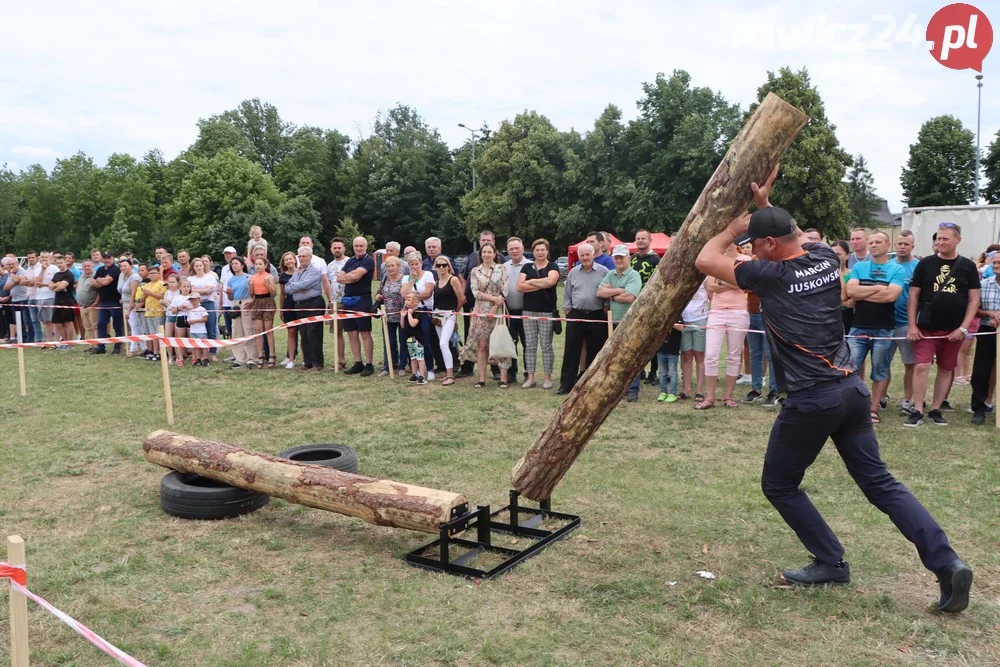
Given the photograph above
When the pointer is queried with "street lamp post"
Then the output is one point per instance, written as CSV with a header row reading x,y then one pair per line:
x,y
979,110
475,134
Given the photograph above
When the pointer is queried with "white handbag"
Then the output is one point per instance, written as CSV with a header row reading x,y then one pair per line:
x,y
501,344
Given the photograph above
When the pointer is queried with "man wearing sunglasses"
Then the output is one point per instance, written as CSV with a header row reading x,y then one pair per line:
x,y
944,297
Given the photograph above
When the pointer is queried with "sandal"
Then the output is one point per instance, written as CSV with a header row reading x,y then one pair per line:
x,y
270,362
504,385
699,397
682,396
730,403
479,385
875,418
448,381
704,405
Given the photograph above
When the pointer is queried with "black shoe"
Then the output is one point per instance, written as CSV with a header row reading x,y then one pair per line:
x,y
817,574
116,351
915,420
97,351
752,396
414,379
355,369
562,392
946,406
955,580
236,364
631,398
936,418
773,399
368,371
884,402
979,418
652,379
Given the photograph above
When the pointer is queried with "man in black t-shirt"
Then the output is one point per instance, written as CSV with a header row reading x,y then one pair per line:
x,y
644,261
944,297
109,302
799,288
356,277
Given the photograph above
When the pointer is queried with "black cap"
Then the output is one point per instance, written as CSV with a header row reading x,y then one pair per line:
x,y
770,221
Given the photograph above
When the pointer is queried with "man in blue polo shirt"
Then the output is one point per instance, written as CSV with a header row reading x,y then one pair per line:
x,y
875,285
905,258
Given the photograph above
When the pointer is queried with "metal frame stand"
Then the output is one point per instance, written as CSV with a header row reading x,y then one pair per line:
x,y
522,522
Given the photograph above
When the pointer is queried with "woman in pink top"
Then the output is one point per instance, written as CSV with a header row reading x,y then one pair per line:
x,y
728,320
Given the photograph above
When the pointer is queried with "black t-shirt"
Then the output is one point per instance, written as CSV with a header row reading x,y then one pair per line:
x,y
108,293
645,265
800,299
540,301
944,291
672,345
363,287
65,298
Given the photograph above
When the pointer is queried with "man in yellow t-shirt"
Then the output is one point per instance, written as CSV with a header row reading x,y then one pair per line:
x,y
152,292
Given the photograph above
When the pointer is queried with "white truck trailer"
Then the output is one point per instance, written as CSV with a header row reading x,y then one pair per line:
x,y
980,226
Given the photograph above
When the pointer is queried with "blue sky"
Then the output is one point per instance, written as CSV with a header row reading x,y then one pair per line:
x,y
107,77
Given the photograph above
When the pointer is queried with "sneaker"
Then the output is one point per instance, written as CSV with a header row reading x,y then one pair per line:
x,y
430,375
284,362
752,396
155,357
906,408
773,399
662,398
96,351
368,371
883,402
384,374
289,364
946,406
421,379
955,581
236,364
915,420
745,379
978,418
937,418
631,398
355,369
818,574
233,359
671,398
170,362
414,379
401,373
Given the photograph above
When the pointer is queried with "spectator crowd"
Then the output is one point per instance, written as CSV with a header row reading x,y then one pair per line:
x,y
929,310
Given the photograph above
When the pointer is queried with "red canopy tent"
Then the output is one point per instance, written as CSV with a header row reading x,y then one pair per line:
x,y
659,244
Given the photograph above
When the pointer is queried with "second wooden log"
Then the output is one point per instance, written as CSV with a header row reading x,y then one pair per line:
x,y
378,501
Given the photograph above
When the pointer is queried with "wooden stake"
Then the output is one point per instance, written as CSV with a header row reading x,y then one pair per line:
x,y
20,356
752,156
388,350
611,324
18,607
336,339
165,370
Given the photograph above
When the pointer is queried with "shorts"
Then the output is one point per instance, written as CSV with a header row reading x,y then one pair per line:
x,y
693,336
63,315
359,323
154,322
262,308
415,349
946,351
880,347
171,319
198,335
45,312
904,345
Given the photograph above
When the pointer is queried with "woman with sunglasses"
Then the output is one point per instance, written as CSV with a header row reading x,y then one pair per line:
x,y
448,298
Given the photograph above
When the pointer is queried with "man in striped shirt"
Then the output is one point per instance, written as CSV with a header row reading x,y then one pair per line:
x,y
984,364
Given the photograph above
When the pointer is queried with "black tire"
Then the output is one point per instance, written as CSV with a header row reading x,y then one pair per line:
x,y
340,457
190,496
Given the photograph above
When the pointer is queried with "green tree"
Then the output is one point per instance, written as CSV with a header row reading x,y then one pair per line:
x,y
314,168
11,208
526,183
991,172
116,237
220,133
811,185
606,188
942,165
40,224
861,197
215,189
348,230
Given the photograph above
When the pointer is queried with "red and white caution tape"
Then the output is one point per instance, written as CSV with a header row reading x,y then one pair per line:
x,y
18,582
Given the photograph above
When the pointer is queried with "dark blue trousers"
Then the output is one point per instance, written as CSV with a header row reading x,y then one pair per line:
x,y
840,410
110,313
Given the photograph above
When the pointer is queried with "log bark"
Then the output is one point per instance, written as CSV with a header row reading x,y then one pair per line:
x,y
378,501
764,138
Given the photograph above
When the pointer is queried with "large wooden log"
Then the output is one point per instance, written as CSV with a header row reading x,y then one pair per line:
x,y
752,156
377,501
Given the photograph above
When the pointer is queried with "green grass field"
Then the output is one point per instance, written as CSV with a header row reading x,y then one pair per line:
x,y
664,491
